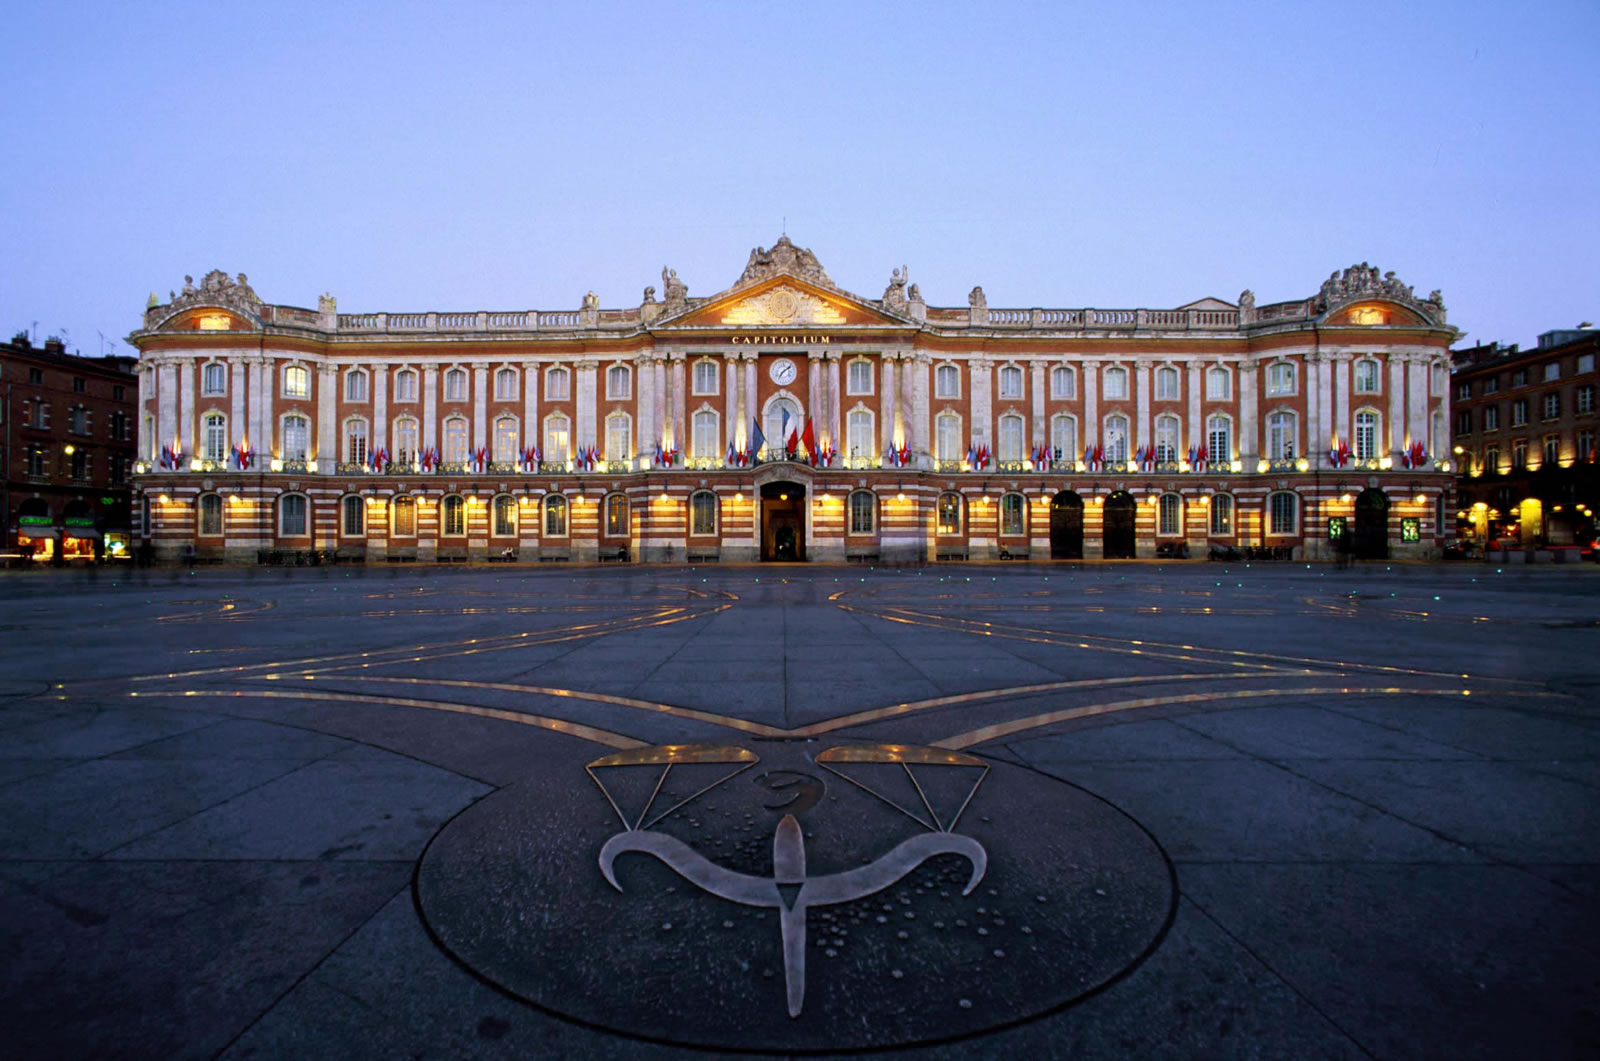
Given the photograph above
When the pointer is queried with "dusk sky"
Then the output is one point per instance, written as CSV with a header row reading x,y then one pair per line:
x,y
411,157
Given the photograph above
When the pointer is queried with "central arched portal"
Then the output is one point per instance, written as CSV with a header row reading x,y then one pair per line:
x,y
1066,526
1121,512
1372,524
783,521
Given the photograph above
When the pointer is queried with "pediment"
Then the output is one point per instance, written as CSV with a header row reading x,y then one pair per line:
x,y
782,301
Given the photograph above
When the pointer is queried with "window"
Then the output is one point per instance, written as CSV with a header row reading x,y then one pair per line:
x,y
405,441
1010,382
355,441
949,514
36,461
858,433
1491,385
403,517
1218,384
296,437
405,385
619,382
1282,508
1219,438
79,468
1366,435
1519,378
705,377
616,516
1519,412
355,386
214,437
292,516
555,516
455,441
117,392
1063,383
1280,378
78,420
35,375
947,440
1281,435
1552,406
703,513
1491,418
557,384
1586,398
1222,515
1585,363
1366,376
707,435
505,384
506,437
1552,451
505,516
1116,383
1116,445
1463,391
1585,448
1167,434
947,382
453,516
296,382
119,426
1169,515
859,378
36,415
1013,515
355,516
116,471
1064,437
1166,384
455,385
619,437
863,512
78,384
213,380
1519,454
1464,422
1491,461
210,515
1010,438
557,438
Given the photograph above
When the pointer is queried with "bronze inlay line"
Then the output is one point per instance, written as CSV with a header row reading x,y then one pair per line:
x,y
1021,725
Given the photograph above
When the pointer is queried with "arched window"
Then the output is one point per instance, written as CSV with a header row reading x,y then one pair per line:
x,y
949,513
557,438
1116,384
1282,435
619,382
706,377
947,441
355,441
405,385
505,516
210,514
1168,432
778,425
214,440
703,513
455,385
355,516
214,380
555,516
557,384
1280,378
292,511
1009,446
455,440
707,435
1063,383
1166,384
858,433
453,516
355,385
1368,379
1064,436
1367,424
619,437
505,384
1222,515
947,382
1219,438
616,516
403,517
296,381
1010,381
296,437
1219,383
405,441
1169,515
506,437
863,512
1283,510
1013,515
1116,444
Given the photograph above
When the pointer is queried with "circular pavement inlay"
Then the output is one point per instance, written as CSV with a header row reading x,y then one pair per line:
x,y
789,897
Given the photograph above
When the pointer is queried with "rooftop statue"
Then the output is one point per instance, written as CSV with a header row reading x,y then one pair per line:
x,y
784,257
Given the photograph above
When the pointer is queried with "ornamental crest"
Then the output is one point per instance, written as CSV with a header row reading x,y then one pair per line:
x,y
783,305
784,257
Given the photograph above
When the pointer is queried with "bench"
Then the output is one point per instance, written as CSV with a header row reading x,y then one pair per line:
x,y
703,558
617,556
862,558
951,555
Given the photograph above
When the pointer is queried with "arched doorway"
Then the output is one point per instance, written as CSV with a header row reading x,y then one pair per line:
x,y
1121,511
1066,526
783,521
1372,524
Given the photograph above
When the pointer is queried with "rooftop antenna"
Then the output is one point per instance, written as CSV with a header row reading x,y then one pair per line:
x,y
785,224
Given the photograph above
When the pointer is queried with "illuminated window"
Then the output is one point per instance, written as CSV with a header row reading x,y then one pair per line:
x,y
1167,434
1585,446
355,385
1169,515
1366,376
214,437
859,377
863,512
1283,511
405,385
356,441
296,381
1011,382
1063,383
706,377
616,516
1116,444
947,382
858,433
1009,441
455,441
1367,315
619,382
403,517
455,385
210,514
1282,433
619,437
505,384
405,441
214,380
949,514
1219,438
1222,515
292,515
1013,515
215,322
703,514
1166,383
557,384
1280,378
506,437
355,516
1116,383
1491,461
557,438
555,516
453,516
505,516
1219,383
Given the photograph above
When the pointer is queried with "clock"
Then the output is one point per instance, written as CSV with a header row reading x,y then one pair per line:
x,y
782,372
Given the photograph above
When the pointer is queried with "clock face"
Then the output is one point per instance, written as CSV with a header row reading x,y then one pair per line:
x,y
782,372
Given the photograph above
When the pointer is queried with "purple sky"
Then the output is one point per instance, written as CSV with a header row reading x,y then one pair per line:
x,y
465,157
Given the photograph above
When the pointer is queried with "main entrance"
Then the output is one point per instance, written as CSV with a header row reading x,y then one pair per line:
x,y
1372,524
1066,526
783,521
1120,513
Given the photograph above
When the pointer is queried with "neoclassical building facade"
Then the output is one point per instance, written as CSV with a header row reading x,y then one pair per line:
x,y
787,419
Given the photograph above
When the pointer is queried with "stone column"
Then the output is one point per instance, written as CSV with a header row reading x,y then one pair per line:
x,y
1417,400
1091,406
981,404
166,404
1397,402
1197,427
1141,394
732,402
480,405
678,391
430,408
237,425
886,404
380,408
532,435
920,405
1314,371
814,388
647,400
752,408
835,403
1040,435
584,405
327,377
1339,369
187,423
1249,428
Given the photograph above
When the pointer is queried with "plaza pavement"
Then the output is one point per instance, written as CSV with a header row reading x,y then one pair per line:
x,y
1375,789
